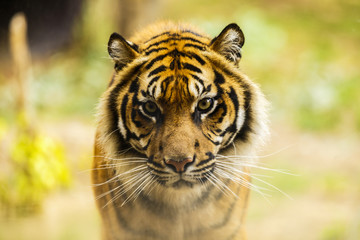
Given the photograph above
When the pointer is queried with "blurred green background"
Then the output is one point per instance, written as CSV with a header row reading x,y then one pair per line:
x,y
304,54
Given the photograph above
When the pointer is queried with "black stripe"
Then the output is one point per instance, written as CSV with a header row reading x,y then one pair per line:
x,y
148,143
192,40
199,80
151,161
152,81
175,37
111,81
119,66
233,96
210,155
246,128
158,58
155,50
186,91
212,141
219,79
146,134
165,84
114,118
191,67
229,139
217,109
134,112
192,32
160,42
134,86
197,89
123,114
201,48
157,70
211,166
159,172
198,58
156,36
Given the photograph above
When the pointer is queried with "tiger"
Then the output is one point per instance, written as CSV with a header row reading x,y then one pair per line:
x,y
173,128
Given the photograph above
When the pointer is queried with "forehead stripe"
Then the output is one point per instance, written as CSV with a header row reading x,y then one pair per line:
x,y
191,67
153,81
157,70
156,36
198,58
155,50
201,48
158,58
174,37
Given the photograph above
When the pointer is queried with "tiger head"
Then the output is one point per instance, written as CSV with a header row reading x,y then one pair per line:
x,y
178,99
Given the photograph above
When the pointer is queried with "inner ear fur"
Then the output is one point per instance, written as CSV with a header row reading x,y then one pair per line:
x,y
121,51
229,43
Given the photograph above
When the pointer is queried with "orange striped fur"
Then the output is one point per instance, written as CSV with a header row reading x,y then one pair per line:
x,y
174,127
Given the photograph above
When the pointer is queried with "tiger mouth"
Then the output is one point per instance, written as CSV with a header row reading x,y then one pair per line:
x,y
182,183
184,180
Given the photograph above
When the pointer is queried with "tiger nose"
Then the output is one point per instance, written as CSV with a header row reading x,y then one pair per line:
x,y
179,166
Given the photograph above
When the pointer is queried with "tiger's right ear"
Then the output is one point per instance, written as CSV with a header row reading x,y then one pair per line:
x,y
229,43
121,51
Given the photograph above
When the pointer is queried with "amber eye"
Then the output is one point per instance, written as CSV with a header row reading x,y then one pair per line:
x,y
150,108
205,104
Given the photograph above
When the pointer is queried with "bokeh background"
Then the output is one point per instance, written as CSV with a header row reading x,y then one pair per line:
x,y
304,53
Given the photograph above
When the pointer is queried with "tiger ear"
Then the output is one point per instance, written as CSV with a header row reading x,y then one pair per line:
x,y
229,43
121,51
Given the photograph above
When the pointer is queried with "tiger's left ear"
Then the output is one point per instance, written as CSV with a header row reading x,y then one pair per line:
x,y
121,51
229,43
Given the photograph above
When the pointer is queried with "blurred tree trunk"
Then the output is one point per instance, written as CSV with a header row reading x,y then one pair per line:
x,y
50,23
135,14
22,72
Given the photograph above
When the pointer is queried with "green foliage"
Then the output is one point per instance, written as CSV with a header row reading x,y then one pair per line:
x,y
37,164
336,231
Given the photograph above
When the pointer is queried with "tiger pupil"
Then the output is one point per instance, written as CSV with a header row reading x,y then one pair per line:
x,y
150,107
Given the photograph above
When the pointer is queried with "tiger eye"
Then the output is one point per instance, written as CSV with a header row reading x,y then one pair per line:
x,y
150,107
205,104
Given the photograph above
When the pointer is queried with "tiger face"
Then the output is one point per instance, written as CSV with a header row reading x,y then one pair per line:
x,y
179,100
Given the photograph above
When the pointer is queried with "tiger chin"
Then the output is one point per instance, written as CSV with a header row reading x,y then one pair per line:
x,y
178,127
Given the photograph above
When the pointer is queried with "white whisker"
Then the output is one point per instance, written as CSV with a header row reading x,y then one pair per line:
x,y
141,179
132,182
138,168
106,193
224,185
261,156
260,180
149,181
109,135
244,182
127,163
120,159
252,165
